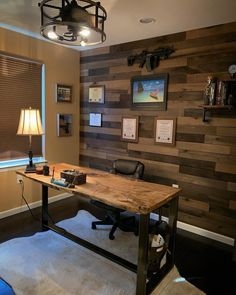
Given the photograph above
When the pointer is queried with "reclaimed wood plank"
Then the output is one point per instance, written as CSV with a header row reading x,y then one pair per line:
x,y
209,31
210,148
112,131
232,205
185,203
172,151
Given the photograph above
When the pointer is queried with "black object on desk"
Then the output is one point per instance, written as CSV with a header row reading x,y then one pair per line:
x,y
45,170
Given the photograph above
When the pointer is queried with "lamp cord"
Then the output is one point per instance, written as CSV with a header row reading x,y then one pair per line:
x,y
30,210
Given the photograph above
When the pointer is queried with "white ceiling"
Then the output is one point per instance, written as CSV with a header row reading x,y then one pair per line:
x,y
123,24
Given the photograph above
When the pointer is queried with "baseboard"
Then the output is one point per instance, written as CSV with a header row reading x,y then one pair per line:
x,y
181,225
32,205
200,231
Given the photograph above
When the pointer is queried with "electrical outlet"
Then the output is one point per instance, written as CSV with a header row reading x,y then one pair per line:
x,y
175,185
19,178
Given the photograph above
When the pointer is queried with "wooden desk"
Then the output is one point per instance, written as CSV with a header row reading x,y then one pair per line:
x,y
132,195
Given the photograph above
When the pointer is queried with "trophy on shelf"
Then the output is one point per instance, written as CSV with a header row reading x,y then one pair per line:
x,y
209,95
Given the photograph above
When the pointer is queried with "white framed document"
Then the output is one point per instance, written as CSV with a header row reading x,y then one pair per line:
x,y
95,119
165,131
129,129
96,93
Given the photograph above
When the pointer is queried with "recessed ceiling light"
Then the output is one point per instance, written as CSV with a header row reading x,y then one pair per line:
x,y
147,20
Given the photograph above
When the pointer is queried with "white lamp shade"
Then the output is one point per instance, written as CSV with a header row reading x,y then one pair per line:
x,y
30,122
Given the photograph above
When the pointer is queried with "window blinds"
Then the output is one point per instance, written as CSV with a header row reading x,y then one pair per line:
x,y
20,87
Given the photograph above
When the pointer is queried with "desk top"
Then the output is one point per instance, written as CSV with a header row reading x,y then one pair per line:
x,y
122,192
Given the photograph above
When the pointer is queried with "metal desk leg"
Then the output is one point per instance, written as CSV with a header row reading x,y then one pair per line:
x,y
44,207
173,216
142,255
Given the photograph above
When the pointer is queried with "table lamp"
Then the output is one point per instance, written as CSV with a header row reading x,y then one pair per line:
x,y
30,124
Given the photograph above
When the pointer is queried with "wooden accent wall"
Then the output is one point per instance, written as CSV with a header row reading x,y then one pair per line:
x,y
203,161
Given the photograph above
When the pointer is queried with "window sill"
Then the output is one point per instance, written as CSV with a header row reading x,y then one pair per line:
x,y
13,164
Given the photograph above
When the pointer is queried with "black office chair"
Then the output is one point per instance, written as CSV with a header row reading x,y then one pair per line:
x,y
130,168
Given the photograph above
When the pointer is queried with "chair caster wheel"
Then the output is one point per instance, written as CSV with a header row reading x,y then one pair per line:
x,y
111,237
94,226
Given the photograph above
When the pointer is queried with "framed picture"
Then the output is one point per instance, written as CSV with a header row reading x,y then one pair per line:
x,y
63,93
95,119
129,129
165,131
149,92
64,125
96,93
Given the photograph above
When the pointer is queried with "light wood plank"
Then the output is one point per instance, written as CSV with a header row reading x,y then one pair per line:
x,y
210,148
93,153
151,148
186,87
102,130
198,180
190,203
228,166
218,122
212,139
229,131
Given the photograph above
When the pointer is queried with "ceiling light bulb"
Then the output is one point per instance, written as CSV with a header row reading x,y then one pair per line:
x,y
83,43
85,33
52,35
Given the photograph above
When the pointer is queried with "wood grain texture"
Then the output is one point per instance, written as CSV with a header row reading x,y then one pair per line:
x,y
141,197
203,160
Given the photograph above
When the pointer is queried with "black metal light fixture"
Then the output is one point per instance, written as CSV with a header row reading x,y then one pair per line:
x,y
73,22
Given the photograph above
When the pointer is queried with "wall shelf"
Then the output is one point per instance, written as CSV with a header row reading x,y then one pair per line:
x,y
209,108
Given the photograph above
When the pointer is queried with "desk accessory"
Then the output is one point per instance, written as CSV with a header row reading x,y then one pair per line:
x,y
45,170
61,182
74,176
39,170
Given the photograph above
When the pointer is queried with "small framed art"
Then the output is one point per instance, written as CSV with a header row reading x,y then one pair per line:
x,y
95,119
149,92
96,93
64,125
165,131
129,129
63,93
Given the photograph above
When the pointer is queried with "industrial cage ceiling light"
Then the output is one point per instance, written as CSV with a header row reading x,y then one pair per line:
x,y
73,22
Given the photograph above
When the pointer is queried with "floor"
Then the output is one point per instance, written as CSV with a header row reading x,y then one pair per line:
x,y
204,263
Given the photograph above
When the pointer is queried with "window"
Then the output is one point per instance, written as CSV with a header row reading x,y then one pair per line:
x,y
20,87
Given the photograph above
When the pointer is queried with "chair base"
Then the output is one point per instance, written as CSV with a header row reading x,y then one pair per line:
x,y
125,224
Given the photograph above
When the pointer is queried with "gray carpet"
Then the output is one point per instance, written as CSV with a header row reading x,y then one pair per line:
x,y
48,264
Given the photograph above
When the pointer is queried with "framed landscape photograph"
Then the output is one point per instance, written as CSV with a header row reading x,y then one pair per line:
x,y
129,128
63,93
64,125
165,129
149,92
96,93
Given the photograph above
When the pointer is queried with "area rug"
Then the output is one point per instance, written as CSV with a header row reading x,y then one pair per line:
x,y
48,264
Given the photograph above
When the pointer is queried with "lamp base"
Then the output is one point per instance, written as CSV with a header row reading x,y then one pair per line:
x,y
30,169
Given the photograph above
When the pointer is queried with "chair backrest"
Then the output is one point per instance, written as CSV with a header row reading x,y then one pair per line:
x,y
131,168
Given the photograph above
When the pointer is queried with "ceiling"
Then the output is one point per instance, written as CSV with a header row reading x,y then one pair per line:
x,y
123,24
